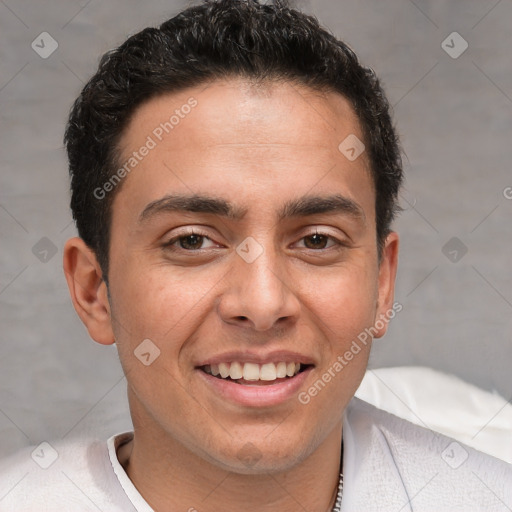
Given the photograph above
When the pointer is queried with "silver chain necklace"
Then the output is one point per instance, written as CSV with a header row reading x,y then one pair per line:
x,y
337,505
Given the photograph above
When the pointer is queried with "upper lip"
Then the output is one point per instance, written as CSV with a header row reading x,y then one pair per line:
x,y
277,356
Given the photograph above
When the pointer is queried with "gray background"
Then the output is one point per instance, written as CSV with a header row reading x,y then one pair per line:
x,y
455,120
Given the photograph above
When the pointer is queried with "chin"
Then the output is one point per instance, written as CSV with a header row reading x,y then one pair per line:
x,y
260,457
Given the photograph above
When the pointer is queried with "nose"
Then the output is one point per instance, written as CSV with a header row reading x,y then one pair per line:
x,y
259,294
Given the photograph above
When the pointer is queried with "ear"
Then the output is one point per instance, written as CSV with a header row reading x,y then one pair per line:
x,y
387,273
88,290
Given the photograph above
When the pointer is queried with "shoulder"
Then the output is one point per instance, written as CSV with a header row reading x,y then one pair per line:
x,y
74,475
414,465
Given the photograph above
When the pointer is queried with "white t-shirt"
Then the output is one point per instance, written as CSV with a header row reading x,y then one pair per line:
x,y
389,464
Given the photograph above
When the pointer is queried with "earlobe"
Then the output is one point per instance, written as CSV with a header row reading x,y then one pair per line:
x,y
88,290
387,274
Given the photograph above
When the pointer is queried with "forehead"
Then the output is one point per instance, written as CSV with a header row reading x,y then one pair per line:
x,y
237,110
240,138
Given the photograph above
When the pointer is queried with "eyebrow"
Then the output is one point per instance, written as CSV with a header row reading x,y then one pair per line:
x,y
300,207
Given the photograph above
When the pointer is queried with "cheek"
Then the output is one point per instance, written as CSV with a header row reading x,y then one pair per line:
x,y
153,306
162,307
345,305
345,299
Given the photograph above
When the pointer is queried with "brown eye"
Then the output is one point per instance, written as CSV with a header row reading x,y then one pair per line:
x,y
317,241
191,242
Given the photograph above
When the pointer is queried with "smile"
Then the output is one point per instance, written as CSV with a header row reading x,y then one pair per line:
x,y
253,372
254,385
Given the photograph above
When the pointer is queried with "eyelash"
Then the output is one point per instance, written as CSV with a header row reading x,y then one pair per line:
x,y
170,244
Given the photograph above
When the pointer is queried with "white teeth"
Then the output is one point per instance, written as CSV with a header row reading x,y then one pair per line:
x,y
235,372
253,371
224,370
268,371
281,370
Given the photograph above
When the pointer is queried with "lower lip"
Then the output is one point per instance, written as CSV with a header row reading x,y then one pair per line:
x,y
259,395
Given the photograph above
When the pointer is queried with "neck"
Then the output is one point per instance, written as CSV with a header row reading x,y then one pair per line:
x,y
171,477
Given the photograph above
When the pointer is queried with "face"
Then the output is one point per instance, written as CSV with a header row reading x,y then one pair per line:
x,y
274,264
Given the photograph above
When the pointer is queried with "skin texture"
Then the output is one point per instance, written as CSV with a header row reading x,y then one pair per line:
x,y
256,147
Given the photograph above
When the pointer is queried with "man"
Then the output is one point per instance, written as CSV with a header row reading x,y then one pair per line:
x,y
234,177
